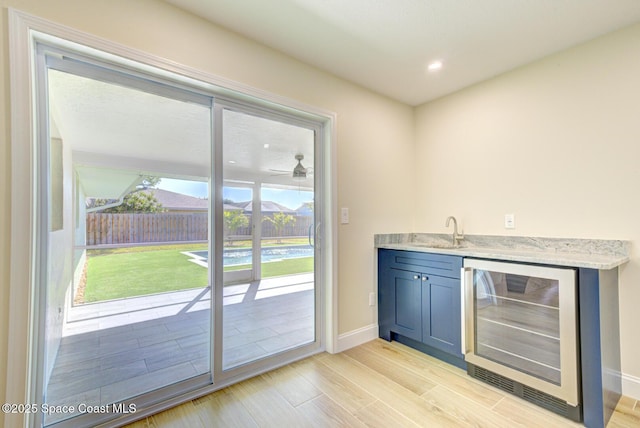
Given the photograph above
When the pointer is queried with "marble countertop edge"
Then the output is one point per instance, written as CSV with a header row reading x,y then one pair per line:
x,y
584,253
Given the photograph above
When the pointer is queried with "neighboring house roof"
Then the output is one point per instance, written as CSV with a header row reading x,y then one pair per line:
x,y
305,209
173,201
267,207
229,207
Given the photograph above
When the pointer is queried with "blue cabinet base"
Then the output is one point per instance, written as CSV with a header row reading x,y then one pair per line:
x,y
600,345
436,353
419,302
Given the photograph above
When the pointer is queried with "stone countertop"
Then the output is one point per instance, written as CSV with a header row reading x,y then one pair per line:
x,y
584,253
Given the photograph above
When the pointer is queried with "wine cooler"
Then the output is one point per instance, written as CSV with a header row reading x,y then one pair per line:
x,y
520,331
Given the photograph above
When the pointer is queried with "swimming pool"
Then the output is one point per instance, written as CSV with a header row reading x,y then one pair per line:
x,y
242,256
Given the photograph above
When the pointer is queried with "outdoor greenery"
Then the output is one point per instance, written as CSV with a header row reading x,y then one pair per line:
x,y
147,248
138,201
116,273
115,276
309,206
280,220
233,220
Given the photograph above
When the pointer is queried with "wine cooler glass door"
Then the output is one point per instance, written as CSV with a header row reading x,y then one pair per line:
x,y
524,324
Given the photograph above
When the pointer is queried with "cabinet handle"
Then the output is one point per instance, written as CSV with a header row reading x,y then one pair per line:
x,y
425,278
416,276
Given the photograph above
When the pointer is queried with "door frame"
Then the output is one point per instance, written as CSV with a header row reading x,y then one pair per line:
x,y
24,31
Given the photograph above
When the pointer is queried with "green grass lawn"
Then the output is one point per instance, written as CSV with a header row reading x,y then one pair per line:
x,y
126,272
119,275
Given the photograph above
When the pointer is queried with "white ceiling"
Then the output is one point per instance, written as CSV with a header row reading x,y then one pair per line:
x,y
386,45
108,119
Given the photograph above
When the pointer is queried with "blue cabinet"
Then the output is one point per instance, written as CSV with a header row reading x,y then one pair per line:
x,y
405,291
441,313
419,301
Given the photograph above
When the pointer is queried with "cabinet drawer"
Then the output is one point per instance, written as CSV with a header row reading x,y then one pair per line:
x,y
434,264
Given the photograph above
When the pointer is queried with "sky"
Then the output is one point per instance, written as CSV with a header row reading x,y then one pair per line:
x,y
199,189
289,198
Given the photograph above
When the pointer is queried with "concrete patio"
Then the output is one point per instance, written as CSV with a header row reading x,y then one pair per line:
x,y
114,350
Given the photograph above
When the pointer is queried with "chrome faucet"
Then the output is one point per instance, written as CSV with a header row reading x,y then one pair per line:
x,y
456,237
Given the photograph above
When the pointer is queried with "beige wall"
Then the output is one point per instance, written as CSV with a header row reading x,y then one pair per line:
x,y
374,134
557,144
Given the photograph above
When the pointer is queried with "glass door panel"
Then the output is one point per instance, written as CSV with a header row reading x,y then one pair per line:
x,y
128,302
274,310
518,322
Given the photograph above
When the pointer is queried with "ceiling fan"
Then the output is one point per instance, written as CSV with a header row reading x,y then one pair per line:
x,y
299,171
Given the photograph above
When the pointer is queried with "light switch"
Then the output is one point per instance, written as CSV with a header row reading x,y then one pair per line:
x,y
372,299
509,221
344,215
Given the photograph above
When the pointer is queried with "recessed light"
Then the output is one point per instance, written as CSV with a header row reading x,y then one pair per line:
x,y
435,66
266,146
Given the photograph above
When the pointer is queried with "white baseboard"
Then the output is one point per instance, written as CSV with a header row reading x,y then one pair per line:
x,y
357,337
631,386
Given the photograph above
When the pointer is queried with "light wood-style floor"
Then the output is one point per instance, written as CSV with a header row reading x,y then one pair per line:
x,y
377,384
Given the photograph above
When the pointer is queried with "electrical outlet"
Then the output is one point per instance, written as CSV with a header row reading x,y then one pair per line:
x,y
372,299
509,221
344,215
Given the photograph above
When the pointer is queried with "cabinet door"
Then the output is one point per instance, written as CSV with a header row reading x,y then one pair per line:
x,y
406,298
441,313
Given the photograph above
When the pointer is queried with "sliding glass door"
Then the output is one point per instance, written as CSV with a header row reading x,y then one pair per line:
x,y
177,239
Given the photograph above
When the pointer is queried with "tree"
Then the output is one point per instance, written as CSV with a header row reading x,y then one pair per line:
x,y
233,220
137,202
309,206
279,221
150,181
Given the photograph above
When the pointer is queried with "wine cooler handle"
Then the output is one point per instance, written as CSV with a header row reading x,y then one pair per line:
x,y
466,278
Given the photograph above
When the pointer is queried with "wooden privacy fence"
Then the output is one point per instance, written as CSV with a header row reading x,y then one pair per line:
x,y
105,229
300,227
